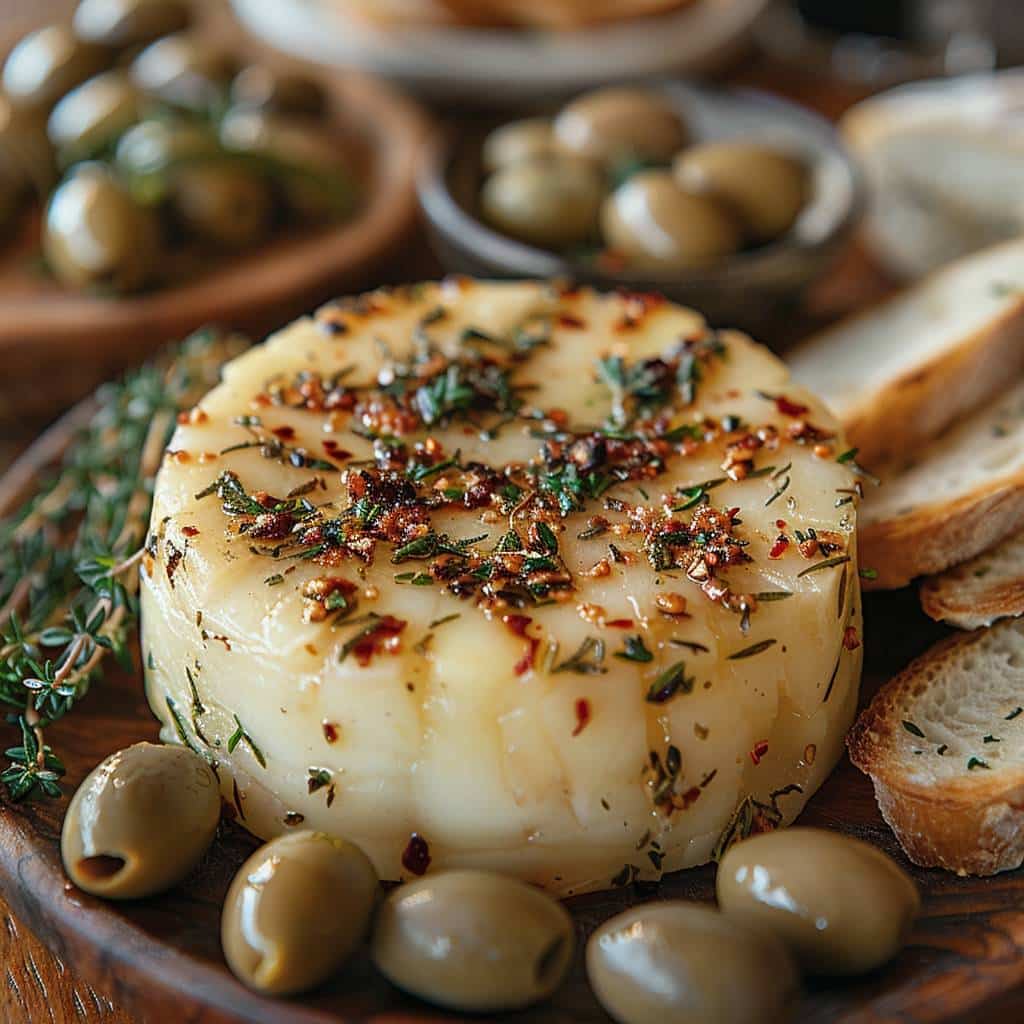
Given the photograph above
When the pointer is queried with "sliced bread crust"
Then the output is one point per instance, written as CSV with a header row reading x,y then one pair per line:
x,y
943,744
980,591
902,371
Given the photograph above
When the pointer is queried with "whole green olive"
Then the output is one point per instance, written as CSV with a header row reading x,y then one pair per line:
x,y
258,87
25,151
473,941
622,123
222,203
841,905
126,23
519,140
765,187
550,201
185,72
655,224
92,115
155,145
296,910
689,964
140,822
96,236
47,63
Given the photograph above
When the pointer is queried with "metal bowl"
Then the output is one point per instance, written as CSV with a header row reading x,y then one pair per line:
x,y
752,289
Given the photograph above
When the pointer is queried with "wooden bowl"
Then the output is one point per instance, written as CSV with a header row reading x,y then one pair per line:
x,y
56,345
752,289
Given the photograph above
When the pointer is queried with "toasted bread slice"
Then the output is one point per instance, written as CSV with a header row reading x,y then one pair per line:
x,y
963,493
980,591
901,372
943,743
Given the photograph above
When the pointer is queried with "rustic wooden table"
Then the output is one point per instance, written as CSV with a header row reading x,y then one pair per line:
x,y
39,987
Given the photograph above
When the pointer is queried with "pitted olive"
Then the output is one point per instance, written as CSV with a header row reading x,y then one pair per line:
x,y
654,224
26,155
310,164
125,23
765,187
549,201
519,140
473,941
96,236
140,822
841,905
185,72
48,63
689,964
296,910
259,87
93,115
223,203
621,123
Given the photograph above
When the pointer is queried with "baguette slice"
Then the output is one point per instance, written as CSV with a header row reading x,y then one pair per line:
x,y
943,743
981,591
901,372
962,495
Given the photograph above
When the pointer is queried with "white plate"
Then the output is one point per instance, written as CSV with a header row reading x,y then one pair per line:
x,y
495,67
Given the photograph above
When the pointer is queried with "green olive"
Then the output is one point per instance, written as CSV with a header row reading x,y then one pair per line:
x,y
841,905
259,87
92,115
126,23
689,964
25,151
155,145
655,224
519,140
222,203
473,941
185,72
765,187
621,123
296,910
551,201
140,822
48,63
96,236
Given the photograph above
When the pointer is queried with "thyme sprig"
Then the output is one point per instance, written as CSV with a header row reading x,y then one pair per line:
x,y
69,570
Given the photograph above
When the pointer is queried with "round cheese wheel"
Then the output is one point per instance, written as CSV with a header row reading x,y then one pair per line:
x,y
507,576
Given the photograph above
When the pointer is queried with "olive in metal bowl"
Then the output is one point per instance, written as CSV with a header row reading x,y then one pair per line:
x,y
140,822
222,202
48,63
93,115
185,72
655,224
296,910
689,964
259,87
96,236
766,187
511,143
473,941
126,23
621,123
552,202
841,905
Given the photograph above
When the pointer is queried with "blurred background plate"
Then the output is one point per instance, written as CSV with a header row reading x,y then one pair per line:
x,y
499,66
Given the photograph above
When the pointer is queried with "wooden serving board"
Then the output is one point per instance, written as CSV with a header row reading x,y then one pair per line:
x,y
160,958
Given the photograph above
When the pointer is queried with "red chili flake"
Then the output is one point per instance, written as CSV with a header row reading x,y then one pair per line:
x,y
173,560
851,641
190,531
568,320
760,749
284,433
373,641
620,623
336,452
780,523
732,513
582,715
272,526
516,624
788,408
779,547
690,797
416,855
331,732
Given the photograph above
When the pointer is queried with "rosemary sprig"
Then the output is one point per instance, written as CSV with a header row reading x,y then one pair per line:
x,y
69,569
